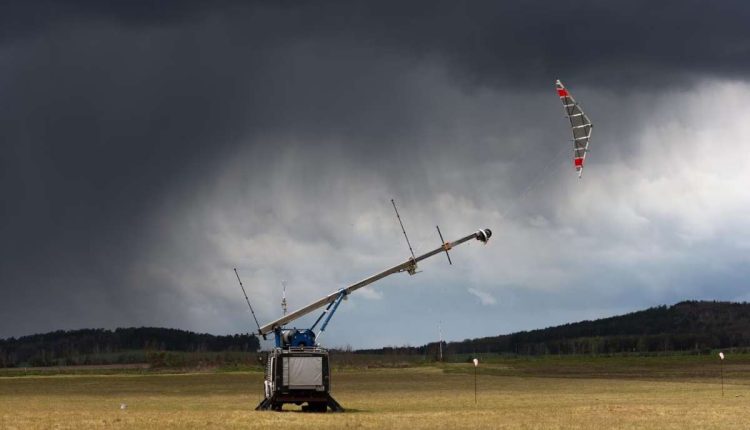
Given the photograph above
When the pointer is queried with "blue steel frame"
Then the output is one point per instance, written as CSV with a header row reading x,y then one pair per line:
x,y
332,307
309,333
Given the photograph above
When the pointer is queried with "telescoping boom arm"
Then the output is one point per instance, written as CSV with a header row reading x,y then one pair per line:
x,y
409,265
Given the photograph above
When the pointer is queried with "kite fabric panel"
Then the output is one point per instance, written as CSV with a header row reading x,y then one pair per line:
x,y
580,124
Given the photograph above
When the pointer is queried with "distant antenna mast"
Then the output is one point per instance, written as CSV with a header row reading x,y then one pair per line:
x,y
413,268
283,297
247,300
440,344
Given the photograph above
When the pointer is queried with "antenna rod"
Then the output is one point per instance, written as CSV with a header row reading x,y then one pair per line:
x,y
445,245
402,228
283,297
247,300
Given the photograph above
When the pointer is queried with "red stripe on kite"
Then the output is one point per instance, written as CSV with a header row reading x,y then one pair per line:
x,y
578,162
562,92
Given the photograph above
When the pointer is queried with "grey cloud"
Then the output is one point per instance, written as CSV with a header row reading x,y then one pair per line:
x,y
133,131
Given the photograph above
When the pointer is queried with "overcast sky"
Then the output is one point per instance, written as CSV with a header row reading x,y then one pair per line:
x,y
147,148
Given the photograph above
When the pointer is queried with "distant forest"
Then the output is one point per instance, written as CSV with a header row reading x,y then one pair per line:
x,y
693,326
100,346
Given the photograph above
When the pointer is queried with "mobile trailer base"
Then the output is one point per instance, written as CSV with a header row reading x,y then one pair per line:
x,y
319,403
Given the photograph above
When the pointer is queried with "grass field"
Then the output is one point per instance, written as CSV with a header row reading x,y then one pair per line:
x,y
589,393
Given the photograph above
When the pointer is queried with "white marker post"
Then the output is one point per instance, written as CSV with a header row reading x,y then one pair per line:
x,y
721,360
476,364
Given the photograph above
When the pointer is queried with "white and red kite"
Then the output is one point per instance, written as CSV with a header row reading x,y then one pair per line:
x,y
580,124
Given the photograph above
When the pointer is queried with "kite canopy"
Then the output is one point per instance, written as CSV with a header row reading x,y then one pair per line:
x,y
580,124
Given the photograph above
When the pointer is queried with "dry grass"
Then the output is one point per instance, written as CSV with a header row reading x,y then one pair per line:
x,y
414,398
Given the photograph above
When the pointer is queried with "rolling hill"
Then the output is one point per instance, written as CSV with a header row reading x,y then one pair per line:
x,y
686,326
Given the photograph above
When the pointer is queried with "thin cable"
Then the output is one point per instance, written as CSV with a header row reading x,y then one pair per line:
x,y
247,300
402,228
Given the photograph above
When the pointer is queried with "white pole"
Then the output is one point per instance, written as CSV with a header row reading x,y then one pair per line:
x,y
721,361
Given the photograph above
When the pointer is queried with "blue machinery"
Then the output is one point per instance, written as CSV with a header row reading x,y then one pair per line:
x,y
296,338
297,369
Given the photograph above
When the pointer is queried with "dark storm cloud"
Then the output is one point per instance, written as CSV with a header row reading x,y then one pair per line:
x,y
107,109
486,42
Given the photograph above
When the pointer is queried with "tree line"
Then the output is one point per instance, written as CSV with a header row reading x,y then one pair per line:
x,y
83,346
697,326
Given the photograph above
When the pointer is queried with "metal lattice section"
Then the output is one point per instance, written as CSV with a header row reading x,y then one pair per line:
x,y
580,124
